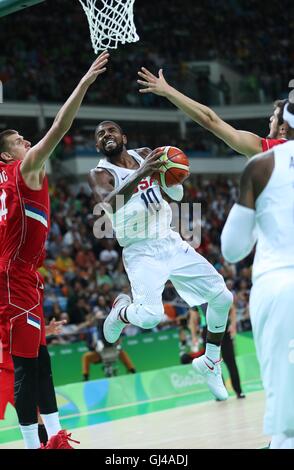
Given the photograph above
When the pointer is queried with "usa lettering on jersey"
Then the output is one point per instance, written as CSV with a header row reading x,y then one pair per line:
x,y
145,183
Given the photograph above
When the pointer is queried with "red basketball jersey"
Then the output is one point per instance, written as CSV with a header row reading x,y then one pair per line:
x,y
268,144
24,218
6,362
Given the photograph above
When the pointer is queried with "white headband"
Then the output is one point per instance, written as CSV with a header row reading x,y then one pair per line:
x,y
289,117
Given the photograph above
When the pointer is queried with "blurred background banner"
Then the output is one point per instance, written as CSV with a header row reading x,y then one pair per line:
x,y
98,401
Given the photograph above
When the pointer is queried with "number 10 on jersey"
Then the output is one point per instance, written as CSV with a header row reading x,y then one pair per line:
x,y
3,208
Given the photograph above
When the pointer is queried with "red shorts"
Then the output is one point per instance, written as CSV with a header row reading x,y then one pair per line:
x,y
6,389
22,327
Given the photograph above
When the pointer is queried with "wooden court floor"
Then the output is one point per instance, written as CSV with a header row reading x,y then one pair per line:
x,y
234,424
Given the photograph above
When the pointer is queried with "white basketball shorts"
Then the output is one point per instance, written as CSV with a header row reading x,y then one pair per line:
x,y
272,318
149,264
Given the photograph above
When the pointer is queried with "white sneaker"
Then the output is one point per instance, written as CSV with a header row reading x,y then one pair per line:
x,y
213,375
113,326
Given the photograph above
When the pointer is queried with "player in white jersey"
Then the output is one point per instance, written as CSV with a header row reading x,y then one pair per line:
x,y
152,252
265,213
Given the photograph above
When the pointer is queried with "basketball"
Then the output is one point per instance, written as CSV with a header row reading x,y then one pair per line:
x,y
175,165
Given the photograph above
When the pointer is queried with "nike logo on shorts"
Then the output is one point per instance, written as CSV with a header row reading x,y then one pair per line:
x,y
125,177
219,326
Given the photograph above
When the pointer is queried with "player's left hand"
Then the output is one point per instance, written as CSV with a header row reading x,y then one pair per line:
x,y
97,68
152,84
54,327
152,163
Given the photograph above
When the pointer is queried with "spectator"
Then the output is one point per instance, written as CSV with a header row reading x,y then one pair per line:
x,y
109,256
79,312
98,346
65,264
225,88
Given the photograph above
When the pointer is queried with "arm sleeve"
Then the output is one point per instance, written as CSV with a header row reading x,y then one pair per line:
x,y
176,192
239,235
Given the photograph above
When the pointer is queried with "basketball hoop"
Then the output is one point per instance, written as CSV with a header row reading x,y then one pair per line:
x,y
111,22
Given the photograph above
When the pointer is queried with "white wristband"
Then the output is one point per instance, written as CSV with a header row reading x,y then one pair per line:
x,y
176,192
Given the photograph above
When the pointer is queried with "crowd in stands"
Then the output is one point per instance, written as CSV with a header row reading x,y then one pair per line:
x,y
52,49
84,274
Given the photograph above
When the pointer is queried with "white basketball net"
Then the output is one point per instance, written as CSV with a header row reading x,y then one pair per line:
x,y
111,22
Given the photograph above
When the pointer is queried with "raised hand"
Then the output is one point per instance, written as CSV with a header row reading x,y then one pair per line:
x,y
152,84
97,68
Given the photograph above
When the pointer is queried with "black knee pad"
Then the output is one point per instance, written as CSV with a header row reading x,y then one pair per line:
x,y
44,362
46,399
26,389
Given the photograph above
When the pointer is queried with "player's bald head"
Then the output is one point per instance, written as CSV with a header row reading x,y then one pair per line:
x,y
110,139
105,124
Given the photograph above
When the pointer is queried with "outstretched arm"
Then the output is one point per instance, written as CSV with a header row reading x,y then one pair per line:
x,y
36,157
243,142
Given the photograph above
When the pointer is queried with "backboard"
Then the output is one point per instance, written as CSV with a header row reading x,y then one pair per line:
x,y
11,6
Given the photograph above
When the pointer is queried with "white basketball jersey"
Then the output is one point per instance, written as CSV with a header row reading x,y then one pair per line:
x,y
146,215
275,215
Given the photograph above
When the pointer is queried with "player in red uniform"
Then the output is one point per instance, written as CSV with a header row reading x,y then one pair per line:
x,y
6,386
7,381
24,226
245,143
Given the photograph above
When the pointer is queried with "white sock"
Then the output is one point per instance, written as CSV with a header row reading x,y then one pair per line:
x,y
52,423
212,352
30,436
